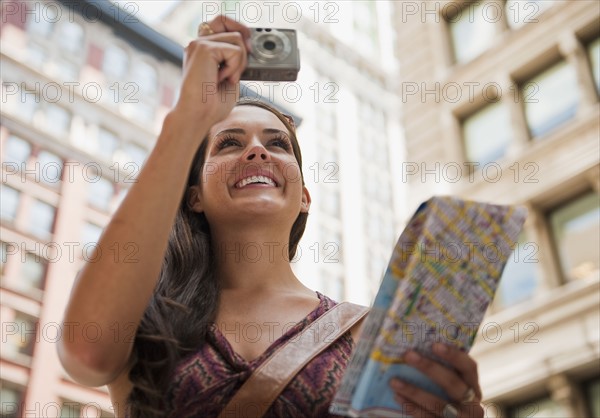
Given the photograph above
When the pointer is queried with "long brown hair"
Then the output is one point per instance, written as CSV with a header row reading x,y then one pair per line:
x,y
184,302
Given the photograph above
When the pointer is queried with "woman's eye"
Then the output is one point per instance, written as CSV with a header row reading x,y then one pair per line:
x,y
228,142
281,142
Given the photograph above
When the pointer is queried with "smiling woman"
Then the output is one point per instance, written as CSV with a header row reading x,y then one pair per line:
x,y
226,206
222,325
251,164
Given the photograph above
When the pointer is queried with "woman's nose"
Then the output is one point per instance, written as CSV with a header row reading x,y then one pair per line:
x,y
257,153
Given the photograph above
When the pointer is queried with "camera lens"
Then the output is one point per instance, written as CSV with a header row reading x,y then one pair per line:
x,y
271,47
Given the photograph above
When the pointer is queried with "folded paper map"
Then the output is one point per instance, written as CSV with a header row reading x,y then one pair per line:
x,y
442,275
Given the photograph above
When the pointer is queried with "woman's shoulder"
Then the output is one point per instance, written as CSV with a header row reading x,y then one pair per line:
x,y
328,303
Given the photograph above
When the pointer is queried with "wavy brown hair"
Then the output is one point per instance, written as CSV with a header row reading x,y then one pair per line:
x,y
184,302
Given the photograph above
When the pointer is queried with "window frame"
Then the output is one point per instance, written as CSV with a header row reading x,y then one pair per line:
x,y
554,244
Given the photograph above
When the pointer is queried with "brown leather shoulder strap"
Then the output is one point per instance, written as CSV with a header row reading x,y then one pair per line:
x,y
257,394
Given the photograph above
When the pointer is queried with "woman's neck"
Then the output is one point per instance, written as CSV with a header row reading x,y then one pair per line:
x,y
253,259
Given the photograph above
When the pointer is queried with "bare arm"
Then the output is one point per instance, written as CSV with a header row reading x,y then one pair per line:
x,y
115,294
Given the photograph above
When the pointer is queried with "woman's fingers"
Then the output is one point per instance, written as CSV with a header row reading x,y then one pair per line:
x,y
212,67
236,67
419,403
463,363
225,24
459,380
224,54
446,378
227,30
232,61
416,402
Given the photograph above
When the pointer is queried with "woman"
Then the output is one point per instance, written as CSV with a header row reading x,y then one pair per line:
x,y
215,261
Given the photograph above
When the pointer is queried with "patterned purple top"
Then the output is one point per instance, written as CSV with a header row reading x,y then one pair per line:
x,y
206,380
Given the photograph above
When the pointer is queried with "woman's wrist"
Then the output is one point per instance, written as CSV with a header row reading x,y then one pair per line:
x,y
190,119
181,136
186,126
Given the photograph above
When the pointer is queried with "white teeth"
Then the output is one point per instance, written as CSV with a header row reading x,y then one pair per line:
x,y
255,179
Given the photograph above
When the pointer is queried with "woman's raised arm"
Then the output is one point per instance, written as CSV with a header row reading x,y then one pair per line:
x,y
113,294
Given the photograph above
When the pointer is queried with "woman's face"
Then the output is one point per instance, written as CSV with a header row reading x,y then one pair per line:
x,y
250,171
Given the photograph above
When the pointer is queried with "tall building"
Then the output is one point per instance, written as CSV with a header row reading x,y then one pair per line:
x,y
85,87
350,136
500,104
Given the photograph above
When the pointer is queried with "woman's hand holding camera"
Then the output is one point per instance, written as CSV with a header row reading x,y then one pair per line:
x,y
212,67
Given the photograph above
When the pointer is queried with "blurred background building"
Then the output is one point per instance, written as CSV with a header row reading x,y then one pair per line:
x,y
83,96
84,92
500,103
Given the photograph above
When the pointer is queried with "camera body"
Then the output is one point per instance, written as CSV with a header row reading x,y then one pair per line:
x,y
275,55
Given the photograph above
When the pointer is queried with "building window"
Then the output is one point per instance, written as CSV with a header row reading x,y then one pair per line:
x,y
21,342
31,277
9,203
471,31
520,12
115,62
41,219
145,76
88,144
594,55
12,398
575,229
365,27
592,392
131,154
36,54
142,112
550,99
70,410
28,102
69,71
50,166
543,407
16,150
100,193
58,120
107,144
90,233
3,255
487,134
70,36
42,24
519,279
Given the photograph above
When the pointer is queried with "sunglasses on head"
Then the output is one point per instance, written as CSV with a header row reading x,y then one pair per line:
x,y
290,120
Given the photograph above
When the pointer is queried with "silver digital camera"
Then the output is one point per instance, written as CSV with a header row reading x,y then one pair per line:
x,y
275,55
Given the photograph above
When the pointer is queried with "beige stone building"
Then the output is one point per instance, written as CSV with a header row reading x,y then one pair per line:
x,y
500,103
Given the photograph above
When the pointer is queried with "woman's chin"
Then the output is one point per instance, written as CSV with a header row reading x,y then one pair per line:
x,y
253,208
260,205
